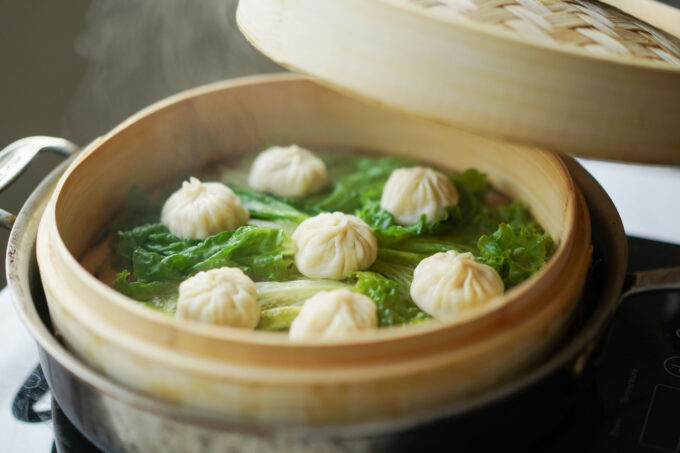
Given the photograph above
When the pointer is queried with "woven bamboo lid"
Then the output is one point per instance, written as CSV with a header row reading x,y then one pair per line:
x,y
575,76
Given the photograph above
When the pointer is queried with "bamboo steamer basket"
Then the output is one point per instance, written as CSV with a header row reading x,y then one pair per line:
x,y
377,381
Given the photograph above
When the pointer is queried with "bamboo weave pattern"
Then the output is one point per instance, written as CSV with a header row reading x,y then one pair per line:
x,y
593,26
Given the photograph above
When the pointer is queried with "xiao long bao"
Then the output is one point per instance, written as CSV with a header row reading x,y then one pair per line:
x,y
289,171
449,282
334,314
199,210
331,245
224,296
412,192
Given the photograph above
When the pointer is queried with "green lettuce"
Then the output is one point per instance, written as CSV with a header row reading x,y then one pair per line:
x,y
267,207
154,261
388,231
515,251
505,237
360,181
459,229
262,253
159,295
391,297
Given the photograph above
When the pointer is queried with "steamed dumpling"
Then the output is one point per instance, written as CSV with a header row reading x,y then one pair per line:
x,y
331,245
414,191
450,282
198,210
289,171
334,314
224,296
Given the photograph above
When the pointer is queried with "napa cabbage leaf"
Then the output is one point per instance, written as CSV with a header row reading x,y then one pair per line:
x,y
280,302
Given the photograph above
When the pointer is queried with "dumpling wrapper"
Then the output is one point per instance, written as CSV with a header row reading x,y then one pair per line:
x,y
452,282
289,171
224,296
331,245
198,210
334,314
414,191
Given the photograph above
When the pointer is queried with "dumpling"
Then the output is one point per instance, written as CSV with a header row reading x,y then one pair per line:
x,y
334,314
414,191
224,296
289,171
450,282
331,245
198,210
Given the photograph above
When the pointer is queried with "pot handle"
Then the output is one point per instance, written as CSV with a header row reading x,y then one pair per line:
x,y
664,279
653,280
15,158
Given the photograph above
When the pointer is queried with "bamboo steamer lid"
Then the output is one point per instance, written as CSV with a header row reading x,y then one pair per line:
x,y
575,76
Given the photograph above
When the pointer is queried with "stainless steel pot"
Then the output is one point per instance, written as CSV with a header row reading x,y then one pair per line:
x,y
117,419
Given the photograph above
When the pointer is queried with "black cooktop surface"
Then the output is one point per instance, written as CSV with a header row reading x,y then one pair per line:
x,y
632,403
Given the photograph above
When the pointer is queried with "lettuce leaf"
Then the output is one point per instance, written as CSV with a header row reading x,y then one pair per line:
x,y
472,182
388,231
402,247
267,207
516,251
153,235
392,299
361,180
278,318
459,230
159,295
281,294
262,253
280,302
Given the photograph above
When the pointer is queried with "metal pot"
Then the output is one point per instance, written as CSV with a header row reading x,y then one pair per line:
x,y
118,419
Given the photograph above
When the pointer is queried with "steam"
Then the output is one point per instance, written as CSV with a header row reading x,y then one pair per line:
x,y
138,52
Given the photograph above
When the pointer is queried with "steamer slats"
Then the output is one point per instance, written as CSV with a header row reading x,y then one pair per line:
x,y
593,26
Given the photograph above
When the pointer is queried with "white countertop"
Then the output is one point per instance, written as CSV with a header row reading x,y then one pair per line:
x,y
18,357
646,196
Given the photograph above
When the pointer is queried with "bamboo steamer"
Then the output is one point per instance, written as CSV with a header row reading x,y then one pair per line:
x,y
575,76
380,380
